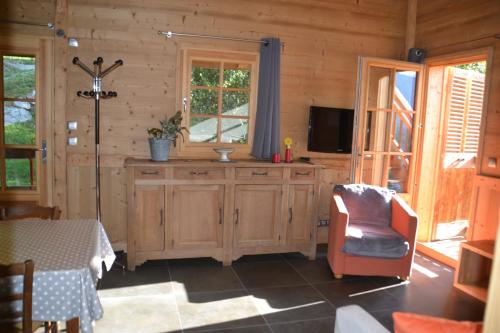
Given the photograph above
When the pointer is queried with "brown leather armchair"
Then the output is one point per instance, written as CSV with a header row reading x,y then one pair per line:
x,y
372,232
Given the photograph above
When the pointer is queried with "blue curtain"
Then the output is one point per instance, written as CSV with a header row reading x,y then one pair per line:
x,y
266,139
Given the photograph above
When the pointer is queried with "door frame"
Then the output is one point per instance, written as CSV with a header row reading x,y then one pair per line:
x,y
42,49
425,213
360,120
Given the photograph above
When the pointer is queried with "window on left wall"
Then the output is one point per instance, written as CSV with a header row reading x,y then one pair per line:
x,y
219,94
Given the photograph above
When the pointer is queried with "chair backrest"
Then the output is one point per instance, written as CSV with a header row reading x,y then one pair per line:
x,y
366,203
29,211
26,270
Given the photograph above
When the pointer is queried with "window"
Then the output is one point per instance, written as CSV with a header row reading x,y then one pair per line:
x,y
219,93
18,125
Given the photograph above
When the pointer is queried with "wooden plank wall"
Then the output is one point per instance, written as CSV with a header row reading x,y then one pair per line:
x,y
448,26
322,43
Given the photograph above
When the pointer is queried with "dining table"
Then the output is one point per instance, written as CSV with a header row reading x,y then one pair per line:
x,y
68,257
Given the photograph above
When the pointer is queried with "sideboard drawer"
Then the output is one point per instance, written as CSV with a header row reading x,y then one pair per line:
x,y
149,173
259,173
198,173
302,173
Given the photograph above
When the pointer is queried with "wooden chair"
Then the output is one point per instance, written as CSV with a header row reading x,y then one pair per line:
x,y
19,212
9,320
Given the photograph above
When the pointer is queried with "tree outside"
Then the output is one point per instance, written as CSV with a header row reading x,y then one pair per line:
x,y
19,117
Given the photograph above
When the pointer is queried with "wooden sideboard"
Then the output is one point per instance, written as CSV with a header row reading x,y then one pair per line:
x,y
201,208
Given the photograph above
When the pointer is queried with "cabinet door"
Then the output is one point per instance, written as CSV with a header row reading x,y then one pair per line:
x,y
300,209
150,218
198,216
257,215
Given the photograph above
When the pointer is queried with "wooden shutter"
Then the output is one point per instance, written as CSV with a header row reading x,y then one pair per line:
x,y
464,108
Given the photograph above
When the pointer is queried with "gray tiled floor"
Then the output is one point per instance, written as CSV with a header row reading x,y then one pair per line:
x,y
274,293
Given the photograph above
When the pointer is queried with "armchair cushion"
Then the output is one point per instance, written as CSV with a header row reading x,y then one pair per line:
x,y
370,240
366,204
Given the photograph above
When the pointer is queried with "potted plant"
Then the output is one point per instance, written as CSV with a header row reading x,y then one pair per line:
x,y
161,138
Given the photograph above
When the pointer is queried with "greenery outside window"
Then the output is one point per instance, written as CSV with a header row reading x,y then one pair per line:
x,y
18,122
219,99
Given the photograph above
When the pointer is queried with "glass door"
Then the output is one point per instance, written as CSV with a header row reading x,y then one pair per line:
x,y
387,119
18,128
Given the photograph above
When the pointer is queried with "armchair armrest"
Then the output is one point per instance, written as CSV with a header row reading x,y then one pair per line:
x,y
404,219
339,218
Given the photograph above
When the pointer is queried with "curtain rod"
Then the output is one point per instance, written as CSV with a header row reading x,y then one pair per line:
x,y
47,25
170,34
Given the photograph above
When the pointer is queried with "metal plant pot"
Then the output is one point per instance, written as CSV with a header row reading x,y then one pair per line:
x,y
160,149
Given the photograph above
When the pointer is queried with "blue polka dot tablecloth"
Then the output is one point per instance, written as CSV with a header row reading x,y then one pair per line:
x,y
68,256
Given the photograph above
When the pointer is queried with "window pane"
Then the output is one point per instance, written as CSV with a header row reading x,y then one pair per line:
x,y
19,123
398,173
234,130
377,129
235,103
204,102
373,166
205,73
236,75
20,165
402,131
379,91
203,130
19,77
404,90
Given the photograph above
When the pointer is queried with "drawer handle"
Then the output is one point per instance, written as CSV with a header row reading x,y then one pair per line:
x,y
150,172
298,173
255,173
198,173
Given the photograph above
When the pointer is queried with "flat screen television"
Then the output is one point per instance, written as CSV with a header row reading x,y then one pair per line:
x,y
330,130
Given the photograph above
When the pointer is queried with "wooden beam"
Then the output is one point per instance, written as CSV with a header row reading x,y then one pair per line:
x,y
60,83
411,24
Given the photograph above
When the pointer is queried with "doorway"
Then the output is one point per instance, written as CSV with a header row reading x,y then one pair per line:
x,y
25,122
451,141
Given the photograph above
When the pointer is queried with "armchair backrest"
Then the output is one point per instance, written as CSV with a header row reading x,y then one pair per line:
x,y
366,203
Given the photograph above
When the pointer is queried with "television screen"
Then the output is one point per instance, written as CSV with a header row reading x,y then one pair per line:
x,y
330,130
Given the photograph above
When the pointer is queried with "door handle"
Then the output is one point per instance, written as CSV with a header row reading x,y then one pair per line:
x,y
43,150
162,216
198,173
150,173
220,215
291,216
237,216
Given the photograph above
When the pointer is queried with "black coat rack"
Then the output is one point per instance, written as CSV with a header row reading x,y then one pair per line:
x,y
96,94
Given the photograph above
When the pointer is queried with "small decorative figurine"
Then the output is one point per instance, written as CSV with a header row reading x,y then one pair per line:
x,y
288,149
